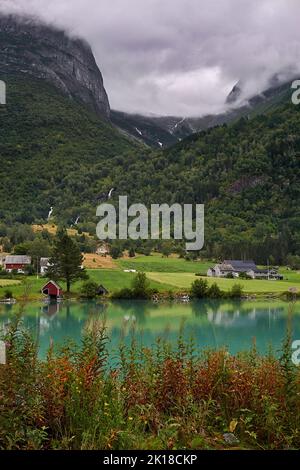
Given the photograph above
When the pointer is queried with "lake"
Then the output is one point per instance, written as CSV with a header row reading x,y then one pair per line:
x,y
212,324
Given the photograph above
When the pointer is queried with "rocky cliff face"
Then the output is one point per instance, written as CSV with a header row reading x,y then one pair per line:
x,y
40,51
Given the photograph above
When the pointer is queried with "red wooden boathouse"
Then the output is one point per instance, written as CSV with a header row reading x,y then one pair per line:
x,y
52,289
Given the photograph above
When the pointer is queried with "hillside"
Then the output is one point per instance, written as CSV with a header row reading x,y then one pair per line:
x,y
165,131
248,176
54,152
43,52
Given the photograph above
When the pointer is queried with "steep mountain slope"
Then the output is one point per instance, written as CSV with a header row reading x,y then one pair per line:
x,y
54,152
247,174
172,129
143,128
40,51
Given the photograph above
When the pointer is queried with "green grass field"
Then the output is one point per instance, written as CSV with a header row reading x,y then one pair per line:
x,y
165,274
156,263
8,283
185,280
113,280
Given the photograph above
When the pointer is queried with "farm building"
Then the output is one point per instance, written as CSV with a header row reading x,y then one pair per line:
x,y
102,291
44,265
234,268
17,263
52,290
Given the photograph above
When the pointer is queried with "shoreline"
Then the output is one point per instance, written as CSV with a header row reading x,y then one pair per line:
x,y
163,298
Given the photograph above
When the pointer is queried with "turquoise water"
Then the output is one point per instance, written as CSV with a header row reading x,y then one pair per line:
x,y
212,324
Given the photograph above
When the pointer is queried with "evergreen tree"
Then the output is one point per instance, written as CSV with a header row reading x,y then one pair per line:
x,y
66,261
199,289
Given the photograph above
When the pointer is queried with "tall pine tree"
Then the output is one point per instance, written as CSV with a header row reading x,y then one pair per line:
x,y
66,261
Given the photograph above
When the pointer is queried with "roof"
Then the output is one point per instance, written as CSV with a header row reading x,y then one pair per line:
x,y
101,290
51,282
17,259
44,262
240,266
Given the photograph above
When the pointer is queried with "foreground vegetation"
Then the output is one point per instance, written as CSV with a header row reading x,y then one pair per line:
x,y
159,398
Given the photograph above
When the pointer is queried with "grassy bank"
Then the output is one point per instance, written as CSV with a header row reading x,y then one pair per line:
x,y
30,287
158,398
165,274
253,286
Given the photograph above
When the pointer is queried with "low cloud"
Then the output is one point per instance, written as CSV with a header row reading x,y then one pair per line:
x,y
179,57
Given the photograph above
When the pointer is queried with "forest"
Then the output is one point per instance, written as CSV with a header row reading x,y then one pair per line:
x,y
55,153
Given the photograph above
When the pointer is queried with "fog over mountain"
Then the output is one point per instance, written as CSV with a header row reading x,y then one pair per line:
x,y
180,57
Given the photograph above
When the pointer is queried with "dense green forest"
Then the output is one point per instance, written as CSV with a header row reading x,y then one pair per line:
x,y
248,176
56,153
53,152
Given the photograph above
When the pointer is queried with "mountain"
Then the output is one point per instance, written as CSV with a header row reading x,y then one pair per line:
x,y
57,145
57,150
36,50
247,174
164,131
145,129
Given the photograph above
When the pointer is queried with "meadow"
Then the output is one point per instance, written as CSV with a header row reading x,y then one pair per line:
x,y
185,280
157,263
112,279
165,274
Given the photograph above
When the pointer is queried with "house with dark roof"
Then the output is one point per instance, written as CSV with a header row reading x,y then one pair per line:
x,y
234,268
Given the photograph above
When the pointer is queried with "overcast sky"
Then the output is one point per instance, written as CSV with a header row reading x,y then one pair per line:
x,y
179,57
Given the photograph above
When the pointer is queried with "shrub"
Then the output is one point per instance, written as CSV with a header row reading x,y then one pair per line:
x,y
116,252
229,276
140,289
199,289
236,291
165,397
214,292
123,294
89,290
141,286
8,294
245,276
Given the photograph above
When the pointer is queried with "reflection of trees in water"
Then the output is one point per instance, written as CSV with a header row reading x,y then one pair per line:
x,y
202,307
138,310
233,312
6,308
95,308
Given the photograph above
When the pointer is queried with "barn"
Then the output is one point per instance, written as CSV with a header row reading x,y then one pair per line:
x,y
52,290
17,263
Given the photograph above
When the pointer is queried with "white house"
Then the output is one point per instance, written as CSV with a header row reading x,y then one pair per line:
x,y
234,268
44,265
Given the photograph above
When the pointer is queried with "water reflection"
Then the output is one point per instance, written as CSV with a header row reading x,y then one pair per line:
x,y
211,323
